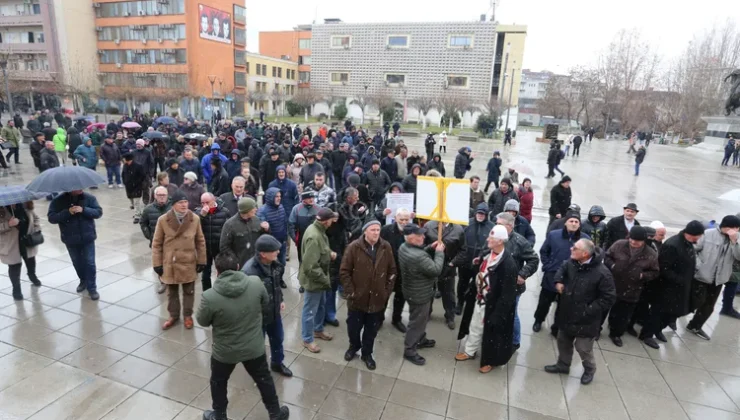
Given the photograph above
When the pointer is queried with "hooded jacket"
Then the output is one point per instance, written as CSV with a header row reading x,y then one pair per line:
x,y
437,164
595,230
588,294
192,165
313,273
60,140
205,164
554,251
715,255
384,202
74,140
270,277
288,190
377,184
462,163
86,156
409,183
294,170
476,235
274,214
234,308
498,199
388,165
234,167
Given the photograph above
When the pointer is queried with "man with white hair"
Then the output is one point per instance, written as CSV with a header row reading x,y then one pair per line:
x,y
393,234
488,318
660,232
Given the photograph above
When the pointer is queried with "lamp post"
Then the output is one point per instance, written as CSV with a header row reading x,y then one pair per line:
x,y
4,66
511,88
405,107
212,79
364,105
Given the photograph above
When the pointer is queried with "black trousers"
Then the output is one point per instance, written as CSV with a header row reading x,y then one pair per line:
x,y
576,149
206,274
159,163
398,302
256,368
2,160
708,294
656,322
446,287
543,307
14,270
13,152
464,276
488,184
550,170
362,328
619,317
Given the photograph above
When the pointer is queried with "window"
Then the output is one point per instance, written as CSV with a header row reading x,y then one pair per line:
x,y
336,78
240,57
274,71
395,79
240,36
160,56
457,81
247,67
132,8
280,72
264,69
304,77
341,41
146,80
304,60
240,79
460,41
240,14
304,44
398,41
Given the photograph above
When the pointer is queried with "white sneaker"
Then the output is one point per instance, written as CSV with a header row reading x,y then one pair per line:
x,y
110,186
120,186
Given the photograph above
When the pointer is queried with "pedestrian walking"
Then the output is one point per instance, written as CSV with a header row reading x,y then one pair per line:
x,y
463,160
111,156
639,158
12,135
560,196
20,230
213,217
178,254
586,291
577,140
75,213
443,142
135,180
234,309
420,272
60,145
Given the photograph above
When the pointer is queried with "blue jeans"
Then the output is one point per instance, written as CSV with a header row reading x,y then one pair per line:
x,y
114,170
83,260
637,168
331,305
312,317
275,332
281,256
728,296
517,325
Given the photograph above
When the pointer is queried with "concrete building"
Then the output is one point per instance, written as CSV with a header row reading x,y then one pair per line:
x,y
173,55
270,83
48,50
292,45
532,87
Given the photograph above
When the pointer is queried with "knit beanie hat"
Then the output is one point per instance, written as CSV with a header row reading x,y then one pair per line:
x,y
370,223
730,221
638,233
694,228
572,215
191,176
511,205
178,196
246,205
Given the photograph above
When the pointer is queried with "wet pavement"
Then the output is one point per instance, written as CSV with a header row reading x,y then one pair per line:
x,y
63,356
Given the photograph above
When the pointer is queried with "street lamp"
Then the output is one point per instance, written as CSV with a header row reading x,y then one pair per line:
x,y
4,66
511,89
404,105
212,78
364,105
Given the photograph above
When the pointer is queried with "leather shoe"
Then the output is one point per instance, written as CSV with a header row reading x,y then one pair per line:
x,y
458,309
333,323
426,343
35,280
161,288
672,324
416,359
323,335
451,325
631,331
81,287
650,342
399,326
281,369
660,337
94,295
369,362
537,326
617,341
556,368
350,354
587,377
283,285
283,414
214,415
461,357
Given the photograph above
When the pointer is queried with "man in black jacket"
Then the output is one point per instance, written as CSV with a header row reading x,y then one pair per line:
x,y
453,237
213,216
462,162
586,291
476,242
619,227
378,182
577,140
560,196
36,147
47,157
149,217
672,298
264,264
230,200
393,233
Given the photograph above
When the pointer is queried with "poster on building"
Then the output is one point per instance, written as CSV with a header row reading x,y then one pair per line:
x,y
215,24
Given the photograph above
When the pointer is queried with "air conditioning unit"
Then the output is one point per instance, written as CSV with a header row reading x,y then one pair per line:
x,y
119,65
142,13
138,51
169,51
163,1
99,29
96,5
101,51
157,12
126,14
466,47
160,40
117,41
175,40
143,41
139,27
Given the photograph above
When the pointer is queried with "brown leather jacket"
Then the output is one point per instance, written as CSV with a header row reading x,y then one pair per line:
x,y
367,285
631,270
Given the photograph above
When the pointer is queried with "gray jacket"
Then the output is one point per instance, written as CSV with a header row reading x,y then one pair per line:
x,y
714,257
419,272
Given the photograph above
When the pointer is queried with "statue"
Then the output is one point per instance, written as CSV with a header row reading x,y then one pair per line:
x,y
733,100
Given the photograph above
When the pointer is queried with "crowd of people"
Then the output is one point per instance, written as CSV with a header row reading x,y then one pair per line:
x,y
239,199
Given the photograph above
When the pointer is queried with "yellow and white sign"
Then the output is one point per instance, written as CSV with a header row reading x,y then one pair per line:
x,y
443,199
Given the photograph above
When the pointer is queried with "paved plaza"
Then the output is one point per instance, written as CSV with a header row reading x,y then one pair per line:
x,y
63,356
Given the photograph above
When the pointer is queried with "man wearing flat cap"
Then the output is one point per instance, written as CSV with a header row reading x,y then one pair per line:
x,y
633,264
716,251
367,274
264,264
619,227
241,231
677,261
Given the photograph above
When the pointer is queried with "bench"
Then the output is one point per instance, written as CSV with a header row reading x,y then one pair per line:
x,y
410,133
468,137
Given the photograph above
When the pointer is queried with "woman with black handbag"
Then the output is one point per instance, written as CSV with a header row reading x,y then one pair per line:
x,y
20,236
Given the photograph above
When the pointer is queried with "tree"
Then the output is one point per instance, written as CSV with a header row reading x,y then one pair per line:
x,y
558,100
451,104
330,99
423,104
340,111
293,108
383,102
362,101
279,96
255,97
585,82
307,98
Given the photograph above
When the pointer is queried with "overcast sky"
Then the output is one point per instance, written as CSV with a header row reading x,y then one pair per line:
x,y
561,34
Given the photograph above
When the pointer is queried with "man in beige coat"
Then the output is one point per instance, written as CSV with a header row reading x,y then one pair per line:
x,y
178,254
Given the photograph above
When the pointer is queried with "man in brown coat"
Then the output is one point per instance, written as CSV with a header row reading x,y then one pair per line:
x,y
367,274
178,254
632,264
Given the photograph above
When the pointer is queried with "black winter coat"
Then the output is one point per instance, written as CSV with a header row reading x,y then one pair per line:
x,y
677,261
271,281
149,217
377,184
395,237
453,236
134,179
631,270
497,200
437,165
110,154
212,224
589,293
36,149
462,163
498,321
219,183
559,200
616,230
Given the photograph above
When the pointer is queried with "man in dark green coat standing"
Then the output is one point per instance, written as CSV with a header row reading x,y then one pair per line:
x,y
234,308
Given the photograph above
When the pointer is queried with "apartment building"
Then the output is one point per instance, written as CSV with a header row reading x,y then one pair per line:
x,y
173,55
46,48
292,45
271,83
532,87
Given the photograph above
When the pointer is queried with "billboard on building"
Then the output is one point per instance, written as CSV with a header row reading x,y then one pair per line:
x,y
215,24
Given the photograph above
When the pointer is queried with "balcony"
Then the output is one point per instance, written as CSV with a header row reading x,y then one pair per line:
x,y
30,75
21,20
22,48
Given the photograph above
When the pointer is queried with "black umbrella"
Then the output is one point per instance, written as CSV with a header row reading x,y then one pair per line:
x,y
195,136
65,179
151,135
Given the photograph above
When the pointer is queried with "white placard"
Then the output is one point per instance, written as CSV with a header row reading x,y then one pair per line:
x,y
457,202
427,199
398,201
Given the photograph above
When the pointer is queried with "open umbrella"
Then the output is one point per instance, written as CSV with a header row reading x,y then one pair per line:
x,y
166,120
65,179
130,124
15,194
151,135
195,136
93,126
85,118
